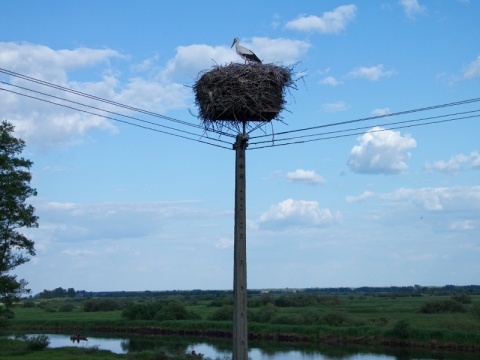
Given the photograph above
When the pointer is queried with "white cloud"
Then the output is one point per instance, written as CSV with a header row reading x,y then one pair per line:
x,y
462,225
381,151
190,60
77,252
330,22
46,125
306,176
335,107
44,63
114,220
144,93
294,213
362,197
439,209
381,111
159,89
284,51
472,70
455,163
373,73
330,80
463,198
412,8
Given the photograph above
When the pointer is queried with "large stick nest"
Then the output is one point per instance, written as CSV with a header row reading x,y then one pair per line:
x,y
242,93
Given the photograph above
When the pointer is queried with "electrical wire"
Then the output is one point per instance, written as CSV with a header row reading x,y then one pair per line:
x,y
114,119
252,145
433,107
361,133
110,102
366,127
106,111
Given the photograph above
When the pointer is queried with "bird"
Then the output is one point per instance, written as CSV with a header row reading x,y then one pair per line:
x,y
245,53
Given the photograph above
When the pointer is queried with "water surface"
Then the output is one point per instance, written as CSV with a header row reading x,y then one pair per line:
x,y
222,349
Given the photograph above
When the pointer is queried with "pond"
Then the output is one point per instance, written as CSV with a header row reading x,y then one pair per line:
x,y
222,349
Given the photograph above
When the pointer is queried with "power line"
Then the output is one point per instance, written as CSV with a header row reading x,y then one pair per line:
x,y
99,109
273,142
114,119
368,127
110,102
433,107
361,133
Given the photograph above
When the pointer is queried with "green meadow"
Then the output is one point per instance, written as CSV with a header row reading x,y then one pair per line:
x,y
446,321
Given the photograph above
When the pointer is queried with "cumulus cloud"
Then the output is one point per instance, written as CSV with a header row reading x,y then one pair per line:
x,y
411,8
462,198
362,197
330,22
381,152
146,85
284,51
373,73
44,63
305,176
335,107
380,111
45,125
455,163
294,213
472,70
190,60
330,80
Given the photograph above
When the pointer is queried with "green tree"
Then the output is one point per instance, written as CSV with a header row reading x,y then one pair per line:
x,y
71,292
15,214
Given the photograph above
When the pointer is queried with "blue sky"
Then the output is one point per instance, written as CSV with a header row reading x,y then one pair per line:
x,y
125,208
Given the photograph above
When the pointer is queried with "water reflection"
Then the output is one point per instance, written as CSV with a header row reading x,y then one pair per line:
x,y
222,348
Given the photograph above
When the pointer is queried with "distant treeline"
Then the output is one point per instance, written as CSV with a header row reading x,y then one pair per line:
x,y
57,293
415,290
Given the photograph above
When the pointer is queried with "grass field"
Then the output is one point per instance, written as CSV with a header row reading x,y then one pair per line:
x,y
355,318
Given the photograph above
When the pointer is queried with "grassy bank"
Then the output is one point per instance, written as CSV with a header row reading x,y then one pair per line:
x,y
422,321
15,350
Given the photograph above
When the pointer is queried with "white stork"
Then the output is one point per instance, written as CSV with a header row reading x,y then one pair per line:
x,y
245,53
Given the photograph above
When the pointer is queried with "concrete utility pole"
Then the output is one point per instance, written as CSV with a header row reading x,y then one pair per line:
x,y
240,329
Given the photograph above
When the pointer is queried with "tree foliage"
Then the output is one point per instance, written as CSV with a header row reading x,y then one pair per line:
x,y
159,310
56,293
15,214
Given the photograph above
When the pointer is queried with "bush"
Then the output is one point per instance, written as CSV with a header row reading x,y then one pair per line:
x,y
402,329
158,310
67,307
446,306
92,305
462,299
265,314
284,319
311,317
28,304
335,319
224,313
174,311
35,343
476,310
49,308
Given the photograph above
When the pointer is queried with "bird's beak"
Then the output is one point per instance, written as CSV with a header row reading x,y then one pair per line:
x,y
233,43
